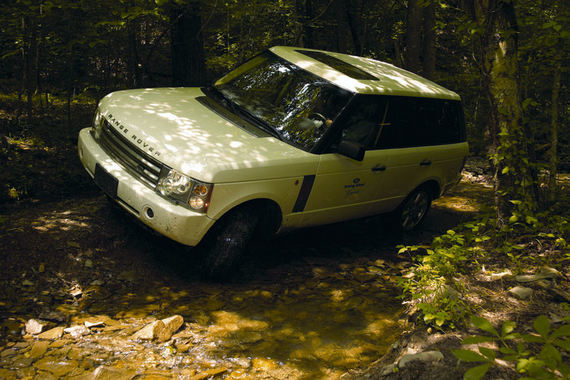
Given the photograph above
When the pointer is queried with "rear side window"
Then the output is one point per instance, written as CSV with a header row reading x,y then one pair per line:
x,y
413,122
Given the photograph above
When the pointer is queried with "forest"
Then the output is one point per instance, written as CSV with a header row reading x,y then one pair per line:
x,y
505,58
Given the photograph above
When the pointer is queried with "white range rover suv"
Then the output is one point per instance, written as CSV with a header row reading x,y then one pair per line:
x,y
291,138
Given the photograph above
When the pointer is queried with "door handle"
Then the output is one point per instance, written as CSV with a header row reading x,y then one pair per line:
x,y
425,163
379,168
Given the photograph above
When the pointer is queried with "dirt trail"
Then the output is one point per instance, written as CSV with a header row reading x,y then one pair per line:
x,y
312,303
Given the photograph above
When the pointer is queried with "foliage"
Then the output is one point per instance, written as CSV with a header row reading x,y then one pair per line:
x,y
537,355
434,284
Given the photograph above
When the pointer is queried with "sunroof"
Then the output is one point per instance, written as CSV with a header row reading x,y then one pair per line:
x,y
338,64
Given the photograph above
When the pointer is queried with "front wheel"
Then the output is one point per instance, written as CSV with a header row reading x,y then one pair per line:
x,y
414,209
228,242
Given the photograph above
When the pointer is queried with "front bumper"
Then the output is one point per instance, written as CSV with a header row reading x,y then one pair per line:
x,y
176,222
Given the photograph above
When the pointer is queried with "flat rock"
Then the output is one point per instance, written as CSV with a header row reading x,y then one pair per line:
x,y
34,326
111,373
499,276
521,292
38,349
77,331
155,330
209,373
56,366
545,273
52,334
425,357
173,323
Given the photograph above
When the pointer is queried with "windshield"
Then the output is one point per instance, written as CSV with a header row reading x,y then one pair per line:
x,y
299,105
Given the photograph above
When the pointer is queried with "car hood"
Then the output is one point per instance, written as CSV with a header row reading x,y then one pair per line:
x,y
171,125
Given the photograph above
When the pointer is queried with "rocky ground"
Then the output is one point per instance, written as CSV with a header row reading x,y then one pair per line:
x,y
85,292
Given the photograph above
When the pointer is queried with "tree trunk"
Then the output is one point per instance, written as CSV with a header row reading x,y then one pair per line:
x,y
497,48
188,65
133,58
308,39
429,41
353,12
413,37
553,153
341,30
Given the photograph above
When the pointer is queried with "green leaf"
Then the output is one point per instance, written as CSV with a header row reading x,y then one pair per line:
x,y
542,325
490,354
483,324
507,351
532,338
550,355
468,356
477,373
561,331
508,327
477,339
564,344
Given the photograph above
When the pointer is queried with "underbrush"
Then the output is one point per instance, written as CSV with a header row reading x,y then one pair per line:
x,y
38,155
440,289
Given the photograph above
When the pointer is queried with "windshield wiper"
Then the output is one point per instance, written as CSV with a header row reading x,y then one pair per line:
x,y
261,123
237,109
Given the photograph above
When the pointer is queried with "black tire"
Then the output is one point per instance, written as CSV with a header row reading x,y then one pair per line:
x,y
228,241
413,209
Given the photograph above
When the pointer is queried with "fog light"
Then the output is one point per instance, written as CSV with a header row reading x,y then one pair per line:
x,y
196,203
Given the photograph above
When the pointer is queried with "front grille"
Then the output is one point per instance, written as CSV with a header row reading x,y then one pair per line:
x,y
134,160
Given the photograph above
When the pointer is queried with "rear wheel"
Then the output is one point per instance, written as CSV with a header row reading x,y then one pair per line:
x,y
413,210
228,242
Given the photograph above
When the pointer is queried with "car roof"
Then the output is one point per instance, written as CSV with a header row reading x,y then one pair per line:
x,y
363,75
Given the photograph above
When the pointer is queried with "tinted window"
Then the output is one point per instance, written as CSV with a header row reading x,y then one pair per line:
x,y
414,122
363,122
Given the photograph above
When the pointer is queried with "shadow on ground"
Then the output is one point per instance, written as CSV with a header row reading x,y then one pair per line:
x,y
312,303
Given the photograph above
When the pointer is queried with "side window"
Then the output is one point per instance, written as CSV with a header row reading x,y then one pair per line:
x,y
364,121
412,122
449,123
398,124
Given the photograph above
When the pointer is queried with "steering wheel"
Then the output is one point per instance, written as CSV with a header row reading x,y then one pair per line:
x,y
318,116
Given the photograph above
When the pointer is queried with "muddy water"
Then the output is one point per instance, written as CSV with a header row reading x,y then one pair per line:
x,y
309,305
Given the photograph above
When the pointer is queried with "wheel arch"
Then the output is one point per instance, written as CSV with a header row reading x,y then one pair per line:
x,y
432,186
268,210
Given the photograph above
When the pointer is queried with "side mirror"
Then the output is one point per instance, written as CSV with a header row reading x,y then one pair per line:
x,y
351,149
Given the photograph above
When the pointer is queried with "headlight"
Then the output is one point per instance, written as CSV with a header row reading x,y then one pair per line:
x,y
185,190
97,125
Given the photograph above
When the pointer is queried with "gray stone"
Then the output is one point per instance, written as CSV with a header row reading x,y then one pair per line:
x,y
77,331
34,326
500,276
545,273
388,370
528,278
521,292
425,357
548,272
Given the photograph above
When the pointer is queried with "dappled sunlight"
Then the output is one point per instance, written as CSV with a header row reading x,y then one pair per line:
x,y
311,318
466,198
63,221
168,123
391,80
